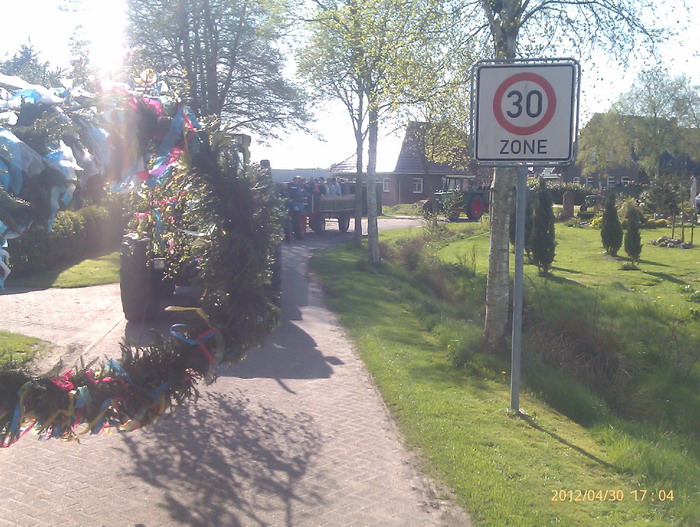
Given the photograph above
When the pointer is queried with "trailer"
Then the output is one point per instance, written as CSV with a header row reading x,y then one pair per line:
x,y
313,210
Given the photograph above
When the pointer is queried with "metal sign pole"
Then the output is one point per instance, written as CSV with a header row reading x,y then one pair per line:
x,y
521,204
524,113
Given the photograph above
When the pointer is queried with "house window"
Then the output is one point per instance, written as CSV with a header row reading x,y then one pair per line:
x,y
626,180
577,181
611,181
418,185
589,181
385,184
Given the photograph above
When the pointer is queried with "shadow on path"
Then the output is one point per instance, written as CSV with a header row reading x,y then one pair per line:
x,y
289,353
228,461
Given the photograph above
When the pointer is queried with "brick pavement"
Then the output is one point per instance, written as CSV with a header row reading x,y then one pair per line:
x,y
295,435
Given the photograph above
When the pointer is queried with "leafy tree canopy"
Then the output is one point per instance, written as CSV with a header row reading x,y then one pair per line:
x,y
225,57
651,127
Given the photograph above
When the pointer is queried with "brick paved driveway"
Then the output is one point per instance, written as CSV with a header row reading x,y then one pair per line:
x,y
295,435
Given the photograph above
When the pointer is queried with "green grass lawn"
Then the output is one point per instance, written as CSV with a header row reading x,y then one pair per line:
x,y
404,209
503,469
103,269
17,349
661,275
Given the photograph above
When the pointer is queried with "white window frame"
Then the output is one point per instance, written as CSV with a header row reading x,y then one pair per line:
x,y
385,185
418,185
611,182
589,181
577,180
626,180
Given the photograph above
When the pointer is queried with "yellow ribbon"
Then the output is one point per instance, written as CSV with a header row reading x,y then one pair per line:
x,y
197,310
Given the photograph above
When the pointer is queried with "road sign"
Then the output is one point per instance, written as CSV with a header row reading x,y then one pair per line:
x,y
525,112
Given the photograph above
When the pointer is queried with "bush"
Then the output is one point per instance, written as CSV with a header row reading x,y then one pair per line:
x,y
558,189
655,224
596,221
74,236
542,241
633,241
630,206
611,228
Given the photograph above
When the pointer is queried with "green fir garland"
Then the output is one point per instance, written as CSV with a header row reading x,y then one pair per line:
x,y
219,212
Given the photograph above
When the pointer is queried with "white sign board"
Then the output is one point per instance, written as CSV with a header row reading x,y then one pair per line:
x,y
525,112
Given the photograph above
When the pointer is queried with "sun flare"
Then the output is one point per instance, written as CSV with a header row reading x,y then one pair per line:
x,y
105,28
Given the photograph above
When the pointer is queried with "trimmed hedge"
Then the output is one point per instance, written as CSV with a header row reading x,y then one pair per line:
x,y
75,236
557,191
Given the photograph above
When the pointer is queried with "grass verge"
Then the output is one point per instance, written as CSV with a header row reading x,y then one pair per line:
x,y
17,349
504,470
103,269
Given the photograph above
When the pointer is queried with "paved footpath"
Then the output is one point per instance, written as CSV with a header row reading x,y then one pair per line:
x,y
294,435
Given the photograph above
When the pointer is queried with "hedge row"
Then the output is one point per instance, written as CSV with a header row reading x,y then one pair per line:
x,y
75,235
557,191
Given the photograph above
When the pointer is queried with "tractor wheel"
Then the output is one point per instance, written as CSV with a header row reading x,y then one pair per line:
x,y
453,214
476,208
139,290
344,222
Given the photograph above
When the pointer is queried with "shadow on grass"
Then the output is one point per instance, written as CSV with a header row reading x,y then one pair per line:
x,y
568,444
562,280
650,262
665,276
565,270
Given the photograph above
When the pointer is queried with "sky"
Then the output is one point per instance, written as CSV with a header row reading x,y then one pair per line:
x,y
103,22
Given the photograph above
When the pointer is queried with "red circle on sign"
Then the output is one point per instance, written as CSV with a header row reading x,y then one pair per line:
x,y
539,125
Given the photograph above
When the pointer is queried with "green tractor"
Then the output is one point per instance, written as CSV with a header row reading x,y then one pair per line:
x,y
458,196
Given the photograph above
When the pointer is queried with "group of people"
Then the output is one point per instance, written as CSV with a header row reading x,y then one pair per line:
x,y
320,186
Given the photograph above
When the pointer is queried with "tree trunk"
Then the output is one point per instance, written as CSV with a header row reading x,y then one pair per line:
x,y
498,280
504,31
372,228
359,147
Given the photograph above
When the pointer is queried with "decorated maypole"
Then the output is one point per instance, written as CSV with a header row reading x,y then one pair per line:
x,y
198,205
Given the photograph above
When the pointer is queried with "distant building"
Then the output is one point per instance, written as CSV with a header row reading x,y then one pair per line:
x,y
688,163
415,177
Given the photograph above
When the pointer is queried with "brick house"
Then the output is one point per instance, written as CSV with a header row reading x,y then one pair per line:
x,y
415,177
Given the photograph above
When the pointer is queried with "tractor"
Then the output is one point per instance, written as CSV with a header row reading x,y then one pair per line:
x,y
458,196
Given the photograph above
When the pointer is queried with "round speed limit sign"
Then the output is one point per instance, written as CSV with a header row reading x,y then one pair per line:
x,y
524,103
525,112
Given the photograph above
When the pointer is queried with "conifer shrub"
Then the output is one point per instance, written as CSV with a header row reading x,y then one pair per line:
x,y
633,240
610,227
542,243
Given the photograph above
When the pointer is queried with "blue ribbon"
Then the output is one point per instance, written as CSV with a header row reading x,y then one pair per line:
x,y
176,330
98,427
